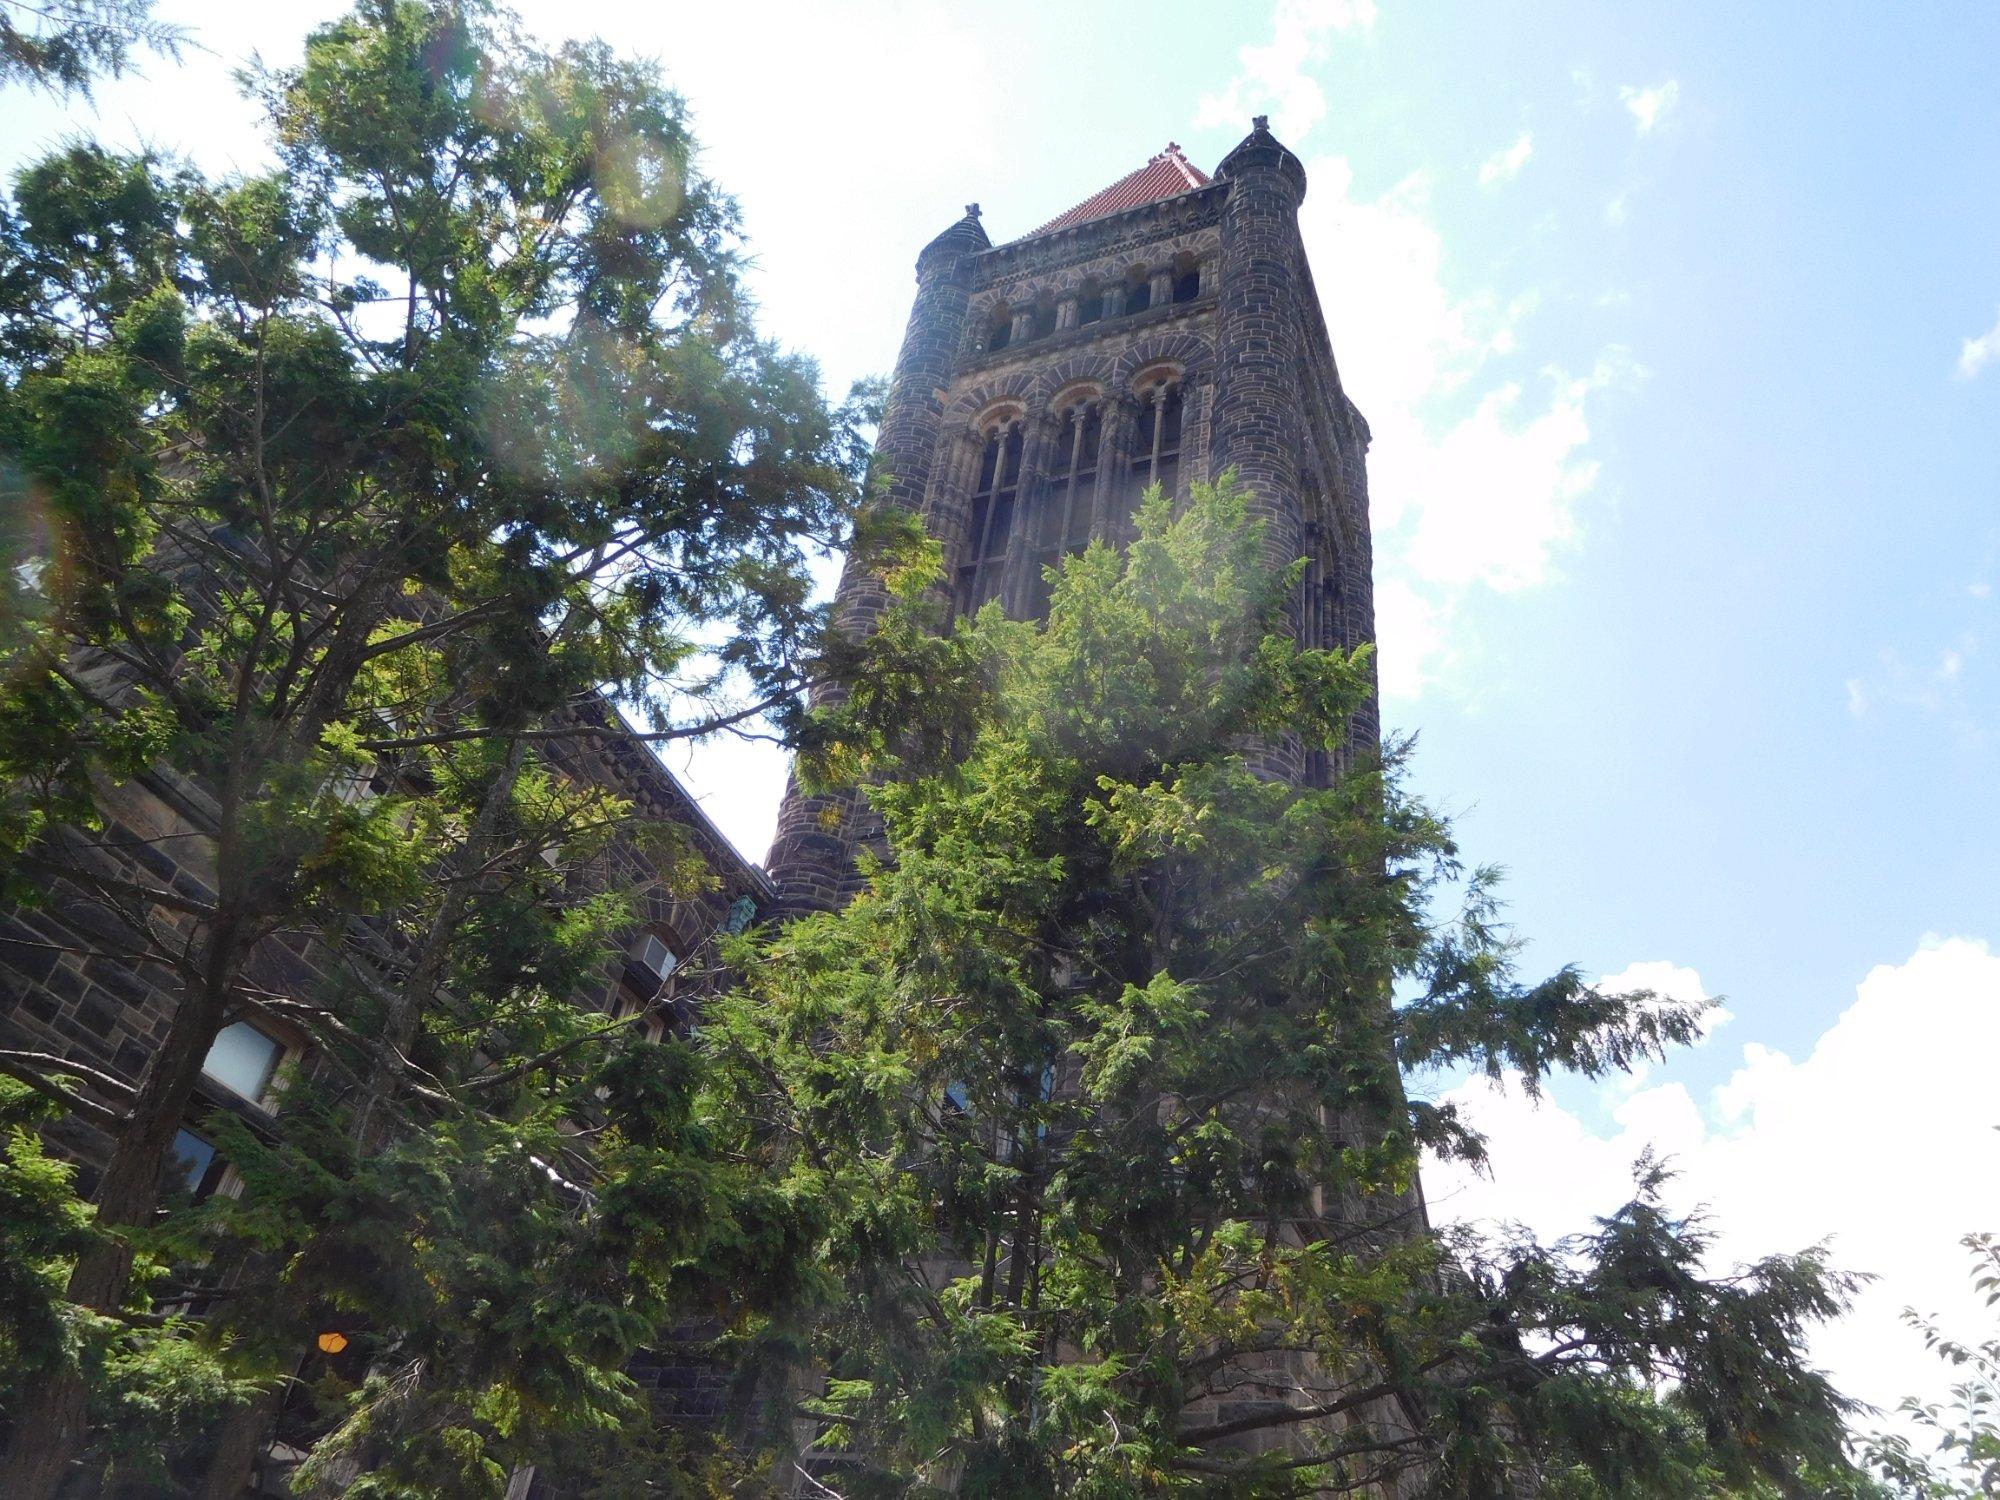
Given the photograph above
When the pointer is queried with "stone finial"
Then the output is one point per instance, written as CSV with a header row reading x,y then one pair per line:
x,y
972,210
1260,151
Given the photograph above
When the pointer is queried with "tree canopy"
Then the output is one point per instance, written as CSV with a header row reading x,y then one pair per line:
x,y
1100,1083
336,498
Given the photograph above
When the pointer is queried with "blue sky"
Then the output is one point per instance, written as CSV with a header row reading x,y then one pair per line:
x,y
1680,336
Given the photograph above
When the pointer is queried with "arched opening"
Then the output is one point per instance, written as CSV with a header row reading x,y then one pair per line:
x,y
1089,304
1138,292
1063,522
999,329
1156,444
982,566
1045,319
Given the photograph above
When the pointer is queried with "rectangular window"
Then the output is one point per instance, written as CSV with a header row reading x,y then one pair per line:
x,y
656,956
192,1164
242,1059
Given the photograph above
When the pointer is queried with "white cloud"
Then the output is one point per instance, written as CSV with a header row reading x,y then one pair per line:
x,y
1975,355
1475,477
1944,684
1505,166
1650,107
1413,638
1275,79
1882,1138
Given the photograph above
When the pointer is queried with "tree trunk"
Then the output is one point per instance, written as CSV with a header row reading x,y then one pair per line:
x,y
52,1421
243,1431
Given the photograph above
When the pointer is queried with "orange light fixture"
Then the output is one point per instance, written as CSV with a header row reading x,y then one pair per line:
x,y
332,1342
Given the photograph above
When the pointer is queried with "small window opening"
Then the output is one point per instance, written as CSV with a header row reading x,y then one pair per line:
x,y
1045,320
1138,296
1001,333
1187,280
1090,306
193,1165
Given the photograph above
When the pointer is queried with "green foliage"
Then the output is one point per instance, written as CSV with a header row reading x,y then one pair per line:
x,y
336,498
1099,1082
1965,1431
62,45
46,1227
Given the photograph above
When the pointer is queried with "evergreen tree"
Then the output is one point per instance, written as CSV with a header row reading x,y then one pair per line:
x,y
334,498
62,45
1100,1082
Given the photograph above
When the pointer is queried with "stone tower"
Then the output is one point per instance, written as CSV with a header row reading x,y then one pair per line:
x,y
1165,328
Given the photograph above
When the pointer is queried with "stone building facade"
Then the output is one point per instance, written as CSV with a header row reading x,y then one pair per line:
x,y
71,990
1166,328
66,992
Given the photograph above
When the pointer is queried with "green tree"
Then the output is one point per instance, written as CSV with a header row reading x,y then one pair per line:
x,y
1101,1083
1965,1464
62,45
335,497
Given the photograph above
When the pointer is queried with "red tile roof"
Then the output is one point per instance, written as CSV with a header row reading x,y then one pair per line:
x,y
1166,176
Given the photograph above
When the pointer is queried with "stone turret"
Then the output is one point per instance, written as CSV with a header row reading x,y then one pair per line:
x,y
812,856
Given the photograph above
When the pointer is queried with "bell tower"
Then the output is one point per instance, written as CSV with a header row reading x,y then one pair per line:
x,y
1164,329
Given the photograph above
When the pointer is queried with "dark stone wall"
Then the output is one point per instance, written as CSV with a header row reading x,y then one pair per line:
x,y
74,984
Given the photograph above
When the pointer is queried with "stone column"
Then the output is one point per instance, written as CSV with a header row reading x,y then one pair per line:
x,y
1114,460
1162,288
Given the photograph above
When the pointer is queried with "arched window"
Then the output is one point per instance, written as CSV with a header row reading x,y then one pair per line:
x,y
1045,320
1156,447
1062,525
1000,332
982,564
1139,294
1090,304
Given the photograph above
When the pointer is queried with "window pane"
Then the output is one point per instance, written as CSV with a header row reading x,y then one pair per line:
x,y
656,956
242,1060
189,1159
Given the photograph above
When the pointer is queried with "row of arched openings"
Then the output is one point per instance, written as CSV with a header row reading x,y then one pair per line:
x,y
1094,302
1083,491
